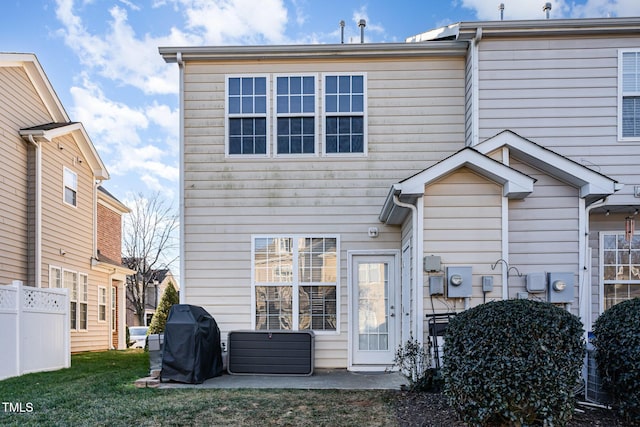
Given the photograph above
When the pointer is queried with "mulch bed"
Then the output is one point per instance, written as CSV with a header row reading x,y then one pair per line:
x,y
432,410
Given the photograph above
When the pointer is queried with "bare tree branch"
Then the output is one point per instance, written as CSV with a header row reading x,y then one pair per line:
x,y
149,243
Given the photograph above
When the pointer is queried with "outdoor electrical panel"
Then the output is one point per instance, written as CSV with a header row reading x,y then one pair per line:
x,y
458,282
536,282
561,287
487,283
436,285
431,263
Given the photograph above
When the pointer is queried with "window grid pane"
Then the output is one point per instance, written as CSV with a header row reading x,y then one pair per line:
x,y
278,286
344,106
247,96
274,307
621,268
630,94
295,106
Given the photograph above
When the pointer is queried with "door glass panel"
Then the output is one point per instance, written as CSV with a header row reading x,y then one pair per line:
x,y
373,306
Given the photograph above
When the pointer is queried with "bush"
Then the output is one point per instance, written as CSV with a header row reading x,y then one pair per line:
x,y
159,320
617,343
513,362
414,363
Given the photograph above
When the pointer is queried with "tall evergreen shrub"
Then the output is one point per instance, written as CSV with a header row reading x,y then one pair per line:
x,y
513,363
617,343
159,320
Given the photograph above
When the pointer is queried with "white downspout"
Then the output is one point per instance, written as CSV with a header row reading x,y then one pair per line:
x,y
584,267
416,264
475,90
183,276
38,214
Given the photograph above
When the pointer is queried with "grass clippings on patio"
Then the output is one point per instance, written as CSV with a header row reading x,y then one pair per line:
x,y
99,389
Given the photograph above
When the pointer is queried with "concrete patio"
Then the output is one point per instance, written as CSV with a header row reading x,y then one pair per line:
x,y
321,379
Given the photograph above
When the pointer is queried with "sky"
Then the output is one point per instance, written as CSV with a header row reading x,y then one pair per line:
x,y
102,59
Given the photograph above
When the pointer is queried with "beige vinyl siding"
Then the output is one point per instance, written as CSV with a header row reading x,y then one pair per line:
x,y
543,230
415,113
20,107
462,225
562,94
71,229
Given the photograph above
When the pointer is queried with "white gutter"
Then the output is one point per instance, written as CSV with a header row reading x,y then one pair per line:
x,y
505,234
38,214
181,190
416,268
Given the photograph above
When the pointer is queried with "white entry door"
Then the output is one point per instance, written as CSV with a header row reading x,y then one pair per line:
x,y
374,309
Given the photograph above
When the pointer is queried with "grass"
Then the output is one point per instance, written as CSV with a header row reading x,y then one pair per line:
x,y
98,390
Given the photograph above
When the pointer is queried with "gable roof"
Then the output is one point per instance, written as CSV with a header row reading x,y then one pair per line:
x,y
60,123
515,184
592,185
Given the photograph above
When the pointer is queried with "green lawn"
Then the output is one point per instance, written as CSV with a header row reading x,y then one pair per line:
x,y
98,390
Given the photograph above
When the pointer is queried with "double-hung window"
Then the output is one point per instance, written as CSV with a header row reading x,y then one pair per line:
x,y
629,95
55,277
102,304
344,108
620,261
114,321
295,114
78,285
83,301
70,187
71,282
247,115
295,282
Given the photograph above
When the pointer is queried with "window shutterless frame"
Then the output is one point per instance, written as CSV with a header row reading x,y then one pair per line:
x,y
295,115
289,273
69,187
345,114
247,105
629,95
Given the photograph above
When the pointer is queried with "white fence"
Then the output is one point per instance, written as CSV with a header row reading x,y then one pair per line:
x,y
34,330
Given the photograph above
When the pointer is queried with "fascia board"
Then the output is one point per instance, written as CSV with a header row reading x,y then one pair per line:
x,y
588,181
515,183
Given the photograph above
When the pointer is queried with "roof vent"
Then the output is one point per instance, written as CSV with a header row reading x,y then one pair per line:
x,y
501,9
547,8
342,31
362,24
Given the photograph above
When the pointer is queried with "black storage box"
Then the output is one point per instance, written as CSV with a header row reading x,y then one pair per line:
x,y
270,352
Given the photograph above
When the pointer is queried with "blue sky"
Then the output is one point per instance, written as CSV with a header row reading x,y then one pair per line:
x,y
102,56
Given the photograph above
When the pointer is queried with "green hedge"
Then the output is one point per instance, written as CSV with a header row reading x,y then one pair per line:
x,y
617,342
513,362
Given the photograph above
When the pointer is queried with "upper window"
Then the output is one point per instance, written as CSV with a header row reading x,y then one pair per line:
x,y
620,261
629,95
295,114
344,114
247,115
295,283
70,187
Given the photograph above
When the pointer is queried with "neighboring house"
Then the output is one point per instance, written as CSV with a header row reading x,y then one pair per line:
x,y
356,189
156,284
49,171
111,299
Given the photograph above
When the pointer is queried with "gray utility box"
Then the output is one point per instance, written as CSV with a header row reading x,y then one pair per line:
x,y
270,352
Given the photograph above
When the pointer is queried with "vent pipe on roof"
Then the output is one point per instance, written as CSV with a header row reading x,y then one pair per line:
x,y
501,9
342,32
547,8
362,24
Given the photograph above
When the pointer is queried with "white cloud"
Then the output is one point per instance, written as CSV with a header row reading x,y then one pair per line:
x,y
236,21
119,54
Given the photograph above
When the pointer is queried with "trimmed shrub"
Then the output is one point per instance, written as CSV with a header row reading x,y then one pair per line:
x,y
617,343
513,362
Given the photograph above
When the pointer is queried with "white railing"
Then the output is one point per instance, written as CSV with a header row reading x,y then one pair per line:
x,y
34,330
